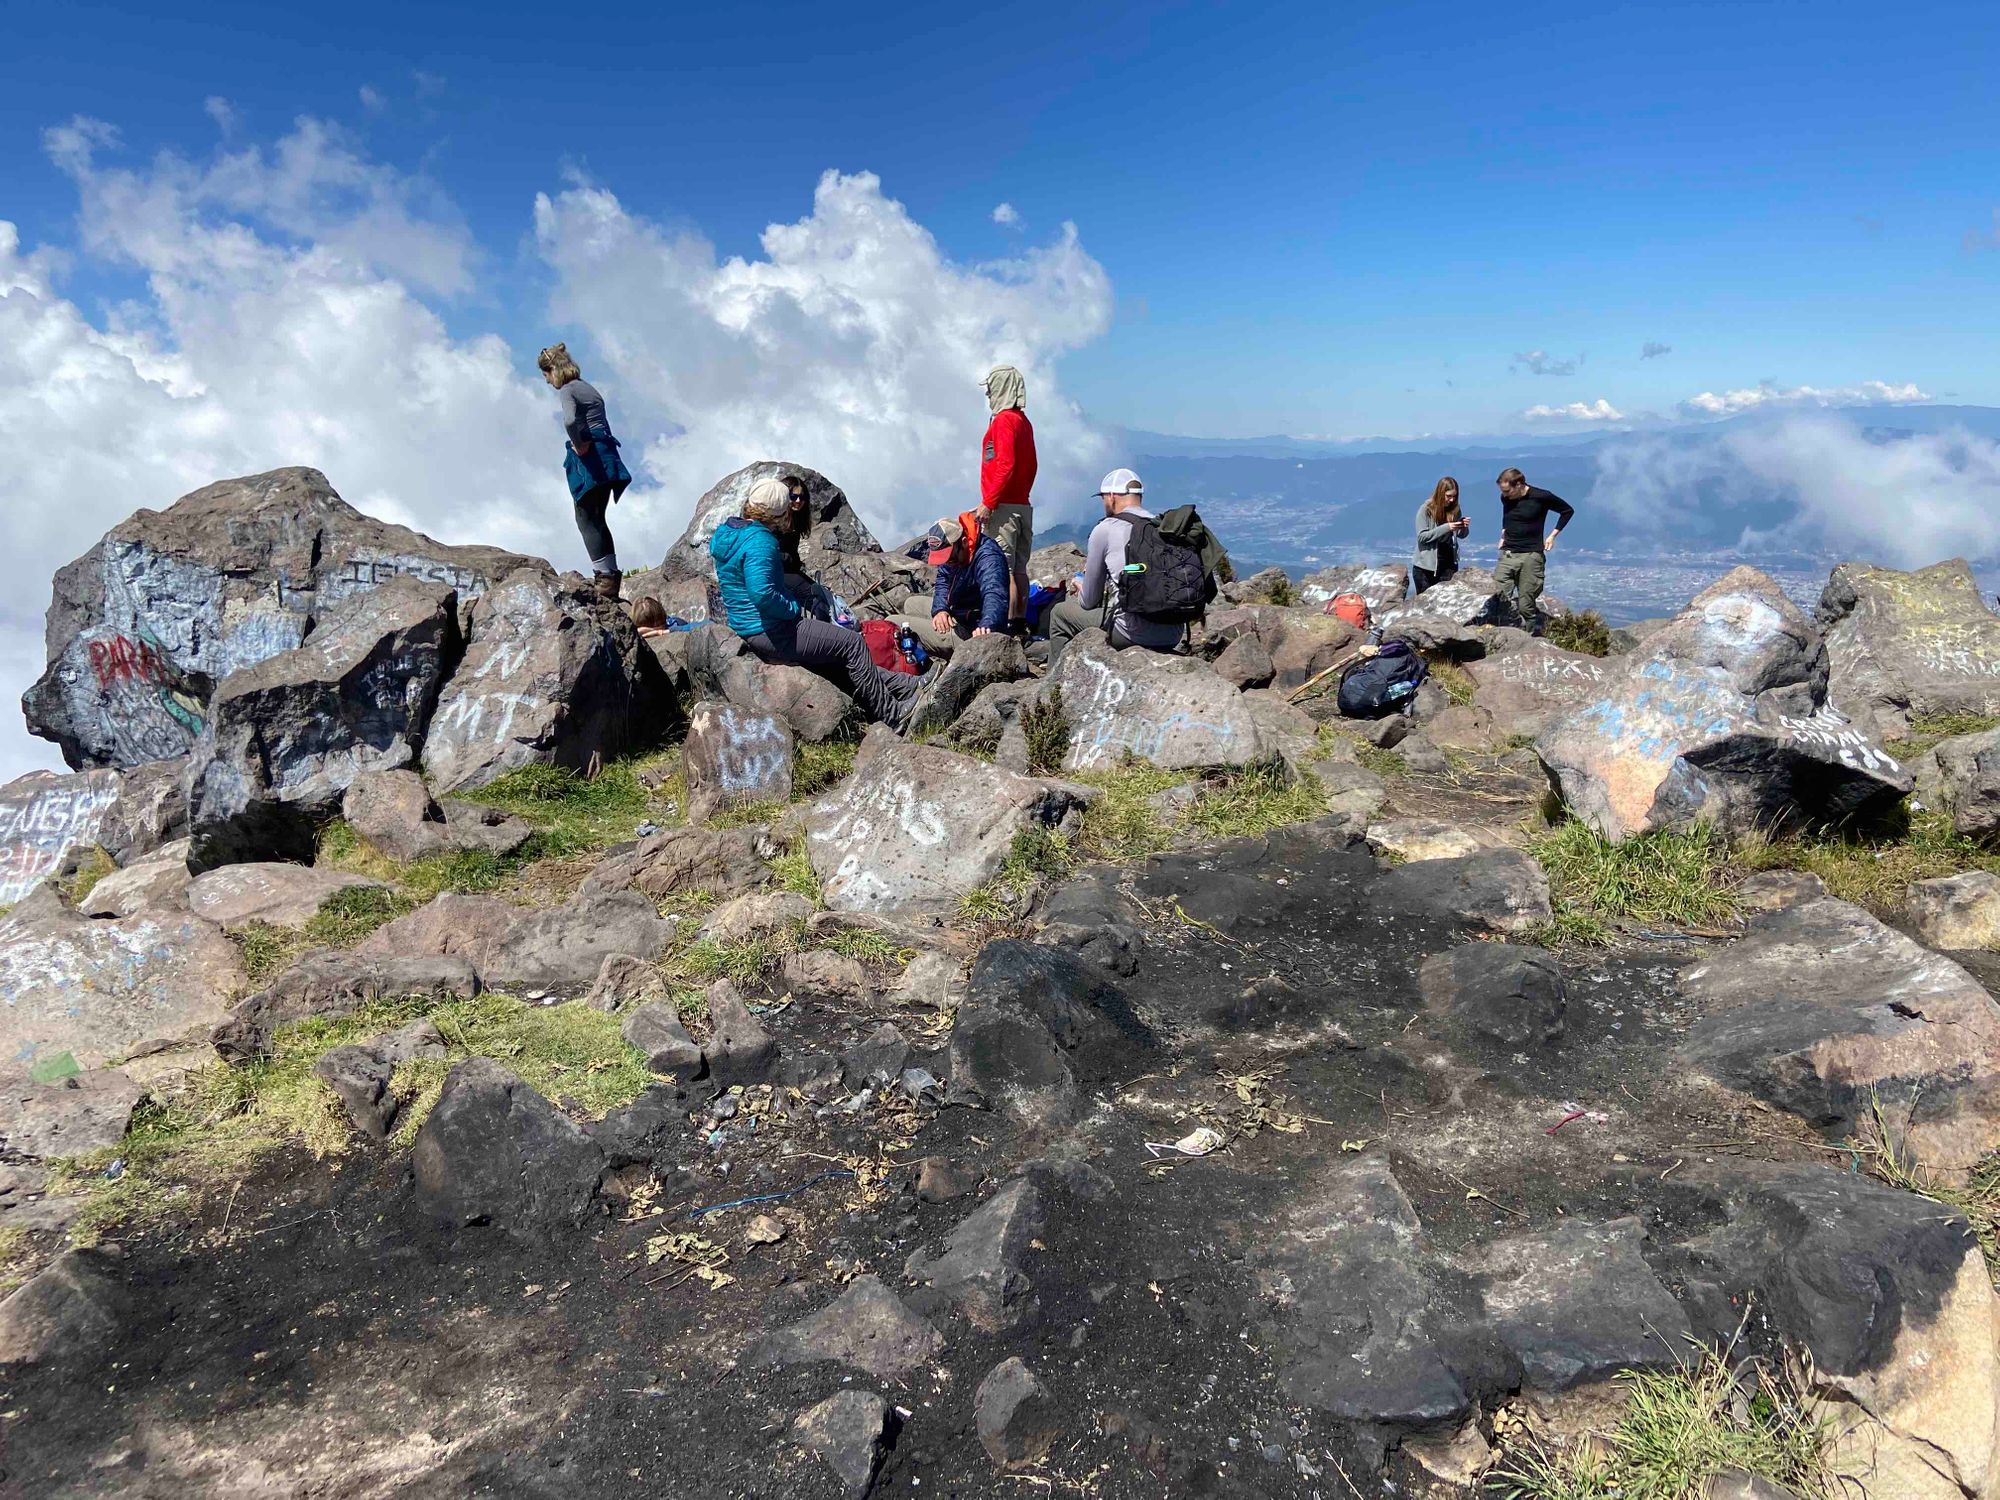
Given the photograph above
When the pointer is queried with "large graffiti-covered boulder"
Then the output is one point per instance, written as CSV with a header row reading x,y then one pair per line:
x,y
1170,710
287,737
1903,643
170,602
917,826
837,550
1719,717
44,817
552,676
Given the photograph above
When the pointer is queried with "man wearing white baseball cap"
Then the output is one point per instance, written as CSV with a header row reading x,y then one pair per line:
x,y
1096,602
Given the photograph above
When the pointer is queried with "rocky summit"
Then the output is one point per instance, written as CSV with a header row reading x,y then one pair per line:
x,y
449,1045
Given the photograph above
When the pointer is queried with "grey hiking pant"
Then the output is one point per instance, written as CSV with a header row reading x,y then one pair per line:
x,y
841,657
1519,579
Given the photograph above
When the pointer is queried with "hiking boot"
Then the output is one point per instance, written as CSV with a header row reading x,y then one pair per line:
x,y
607,585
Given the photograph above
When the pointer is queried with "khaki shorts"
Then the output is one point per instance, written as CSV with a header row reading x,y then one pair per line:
x,y
1013,527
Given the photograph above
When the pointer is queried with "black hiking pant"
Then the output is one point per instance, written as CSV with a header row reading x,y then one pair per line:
x,y
841,657
597,543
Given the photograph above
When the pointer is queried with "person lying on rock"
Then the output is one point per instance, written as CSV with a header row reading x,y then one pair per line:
x,y
1150,612
649,616
750,574
597,475
970,596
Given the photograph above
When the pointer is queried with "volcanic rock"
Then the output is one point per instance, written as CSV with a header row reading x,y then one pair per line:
x,y
146,977
287,737
44,817
171,602
734,756
493,1151
852,1431
722,667
1957,911
1170,710
1903,643
1721,717
867,1328
917,826
1831,1016
552,675
277,895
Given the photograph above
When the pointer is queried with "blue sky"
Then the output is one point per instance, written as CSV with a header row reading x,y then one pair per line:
x,y
1338,220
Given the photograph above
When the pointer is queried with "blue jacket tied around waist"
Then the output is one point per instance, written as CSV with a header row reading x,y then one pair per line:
x,y
750,573
600,469
974,592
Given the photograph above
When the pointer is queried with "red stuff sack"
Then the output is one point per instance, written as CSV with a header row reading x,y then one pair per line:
x,y
1349,607
885,646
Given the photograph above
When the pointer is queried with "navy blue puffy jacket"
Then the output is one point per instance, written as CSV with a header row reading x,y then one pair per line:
x,y
976,593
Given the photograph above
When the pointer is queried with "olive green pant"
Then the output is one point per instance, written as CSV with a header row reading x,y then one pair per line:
x,y
1519,579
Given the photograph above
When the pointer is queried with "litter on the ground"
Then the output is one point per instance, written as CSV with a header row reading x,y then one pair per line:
x,y
1197,1142
791,1192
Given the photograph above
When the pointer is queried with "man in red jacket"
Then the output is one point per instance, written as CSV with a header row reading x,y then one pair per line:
x,y
1006,475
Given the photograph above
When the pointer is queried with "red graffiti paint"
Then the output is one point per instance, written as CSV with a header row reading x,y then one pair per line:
x,y
122,659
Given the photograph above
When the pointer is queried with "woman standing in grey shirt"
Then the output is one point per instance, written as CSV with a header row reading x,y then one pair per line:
x,y
1440,526
597,474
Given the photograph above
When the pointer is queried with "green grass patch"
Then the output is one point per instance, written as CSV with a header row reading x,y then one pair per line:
x,y
1678,1430
464,871
1668,878
795,873
1384,763
1874,867
1454,679
13,1259
1284,593
204,1140
1255,800
745,961
573,814
91,868
817,767
268,951
986,903
1928,730
868,948
744,814
1583,631
1120,824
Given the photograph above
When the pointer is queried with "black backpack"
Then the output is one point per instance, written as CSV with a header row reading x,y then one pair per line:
x,y
1383,683
1163,578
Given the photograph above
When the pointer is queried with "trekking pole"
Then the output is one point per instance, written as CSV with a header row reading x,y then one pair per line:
x,y
1353,656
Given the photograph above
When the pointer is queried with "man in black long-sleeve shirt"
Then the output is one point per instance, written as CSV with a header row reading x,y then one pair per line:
x,y
1523,549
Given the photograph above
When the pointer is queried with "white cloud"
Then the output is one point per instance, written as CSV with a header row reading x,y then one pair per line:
x,y
1769,393
1653,349
1540,362
1007,214
1905,501
853,346
373,100
1599,410
221,111
286,321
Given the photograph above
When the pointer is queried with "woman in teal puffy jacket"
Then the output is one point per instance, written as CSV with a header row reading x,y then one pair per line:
x,y
750,572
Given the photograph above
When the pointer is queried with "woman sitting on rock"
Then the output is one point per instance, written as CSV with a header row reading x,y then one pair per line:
x,y
1440,525
597,475
750,571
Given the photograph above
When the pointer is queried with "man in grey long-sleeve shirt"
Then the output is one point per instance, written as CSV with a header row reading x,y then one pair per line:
x,y
1096,602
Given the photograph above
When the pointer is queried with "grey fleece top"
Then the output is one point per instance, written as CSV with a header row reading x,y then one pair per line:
x,y
1104,562
582,410
1435,543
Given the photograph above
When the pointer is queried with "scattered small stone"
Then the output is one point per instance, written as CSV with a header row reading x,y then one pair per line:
x,y
1016,1417
853,1432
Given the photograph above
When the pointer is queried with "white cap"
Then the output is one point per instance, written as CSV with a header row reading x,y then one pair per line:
x,y
1122,482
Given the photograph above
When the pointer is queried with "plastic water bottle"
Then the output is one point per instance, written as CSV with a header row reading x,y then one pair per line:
x,y
913,649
